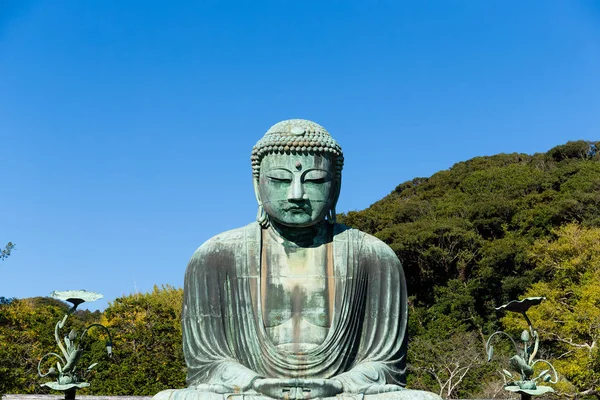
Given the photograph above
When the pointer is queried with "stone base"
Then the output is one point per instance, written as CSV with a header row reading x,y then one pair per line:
x,y
62,396
191,394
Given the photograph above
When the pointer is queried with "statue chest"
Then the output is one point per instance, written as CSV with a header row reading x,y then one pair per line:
x,y
295,296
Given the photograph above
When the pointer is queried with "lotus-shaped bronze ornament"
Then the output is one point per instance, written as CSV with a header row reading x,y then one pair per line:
x,y
523,363
69,377
521,306
536,391
75,297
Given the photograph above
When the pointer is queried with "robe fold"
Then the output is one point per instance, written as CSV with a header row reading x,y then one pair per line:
x,y
224,339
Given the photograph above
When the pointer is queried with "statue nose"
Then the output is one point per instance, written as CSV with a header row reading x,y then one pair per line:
x,y
296,191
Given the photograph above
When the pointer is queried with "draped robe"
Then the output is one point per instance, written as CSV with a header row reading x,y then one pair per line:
x,y
224,339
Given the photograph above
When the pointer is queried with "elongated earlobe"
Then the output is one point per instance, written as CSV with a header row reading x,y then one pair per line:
x,y
331,216
262,217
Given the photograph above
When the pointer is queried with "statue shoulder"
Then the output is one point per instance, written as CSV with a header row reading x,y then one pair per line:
x,y
369,244
228,241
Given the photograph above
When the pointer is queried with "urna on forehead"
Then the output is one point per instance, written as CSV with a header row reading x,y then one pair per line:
x,y
296,136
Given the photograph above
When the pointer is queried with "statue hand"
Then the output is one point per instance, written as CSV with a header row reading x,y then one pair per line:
x,y
376,389
214,388
298,388
268,387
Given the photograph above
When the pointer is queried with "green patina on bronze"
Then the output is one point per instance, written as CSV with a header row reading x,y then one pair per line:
x,y
295,306
69,377
524,362
297,138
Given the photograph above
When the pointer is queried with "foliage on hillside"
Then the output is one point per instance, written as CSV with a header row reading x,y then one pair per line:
x,y
148,355
147,345
26,334
569,320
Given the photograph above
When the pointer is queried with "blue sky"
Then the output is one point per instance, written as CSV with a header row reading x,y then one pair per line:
x,y
126,126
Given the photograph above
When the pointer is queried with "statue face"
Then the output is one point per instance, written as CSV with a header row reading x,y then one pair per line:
x,y
296,190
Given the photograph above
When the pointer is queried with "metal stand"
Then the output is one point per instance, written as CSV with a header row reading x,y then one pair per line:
x,y
70,394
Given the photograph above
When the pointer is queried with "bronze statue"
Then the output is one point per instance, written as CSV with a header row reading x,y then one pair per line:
x,y
294,305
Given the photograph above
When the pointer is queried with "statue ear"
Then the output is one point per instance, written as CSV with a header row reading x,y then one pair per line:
x,y
256,191
331,217
261,215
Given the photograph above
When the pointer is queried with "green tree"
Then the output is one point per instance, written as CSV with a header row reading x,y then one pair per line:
x,y
6,251
569,320
450,366
26,333
148,355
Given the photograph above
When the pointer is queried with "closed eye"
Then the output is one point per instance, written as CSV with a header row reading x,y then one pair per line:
x,y
316,180
279,180
316,176
280,176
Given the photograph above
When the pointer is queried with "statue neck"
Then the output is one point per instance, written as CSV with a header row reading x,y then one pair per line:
x,y
303,237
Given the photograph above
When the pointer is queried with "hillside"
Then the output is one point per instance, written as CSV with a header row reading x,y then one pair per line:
x,y
476,221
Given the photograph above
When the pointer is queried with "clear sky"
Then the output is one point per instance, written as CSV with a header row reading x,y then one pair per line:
x,y
126,126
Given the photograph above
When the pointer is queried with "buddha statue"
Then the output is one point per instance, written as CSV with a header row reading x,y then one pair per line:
x,y
294,305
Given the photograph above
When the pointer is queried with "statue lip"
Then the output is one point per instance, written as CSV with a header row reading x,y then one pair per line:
x,y
297,208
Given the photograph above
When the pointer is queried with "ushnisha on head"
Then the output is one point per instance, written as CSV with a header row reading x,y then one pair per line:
x,y
297,170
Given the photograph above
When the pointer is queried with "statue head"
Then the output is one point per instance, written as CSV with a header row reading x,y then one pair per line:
x,y
297,171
